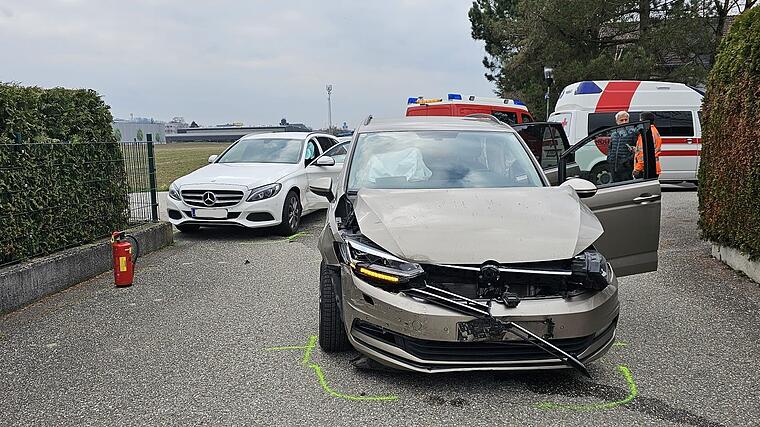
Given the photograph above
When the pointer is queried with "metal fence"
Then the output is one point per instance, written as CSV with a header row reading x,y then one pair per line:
x,y
55,196
140,166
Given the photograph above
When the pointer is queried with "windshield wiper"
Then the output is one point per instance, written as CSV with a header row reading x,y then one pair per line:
x,y
477,309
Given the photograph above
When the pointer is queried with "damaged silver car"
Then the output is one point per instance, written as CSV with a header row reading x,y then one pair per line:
x,y
447,248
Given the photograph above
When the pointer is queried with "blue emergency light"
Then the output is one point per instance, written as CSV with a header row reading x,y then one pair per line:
x,y
411,100
455,97
518,102
587,87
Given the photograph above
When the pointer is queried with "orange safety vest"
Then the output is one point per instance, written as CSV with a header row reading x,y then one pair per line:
x,y
638,164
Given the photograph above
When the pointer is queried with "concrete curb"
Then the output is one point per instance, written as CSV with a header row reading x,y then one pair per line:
x,y
737,261
24,283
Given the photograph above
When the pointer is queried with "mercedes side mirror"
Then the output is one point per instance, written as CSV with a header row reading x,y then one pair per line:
x,y
323,187
212,158
325,161
582,187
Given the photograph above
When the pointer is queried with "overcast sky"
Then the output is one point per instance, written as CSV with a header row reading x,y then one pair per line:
x,y
254,61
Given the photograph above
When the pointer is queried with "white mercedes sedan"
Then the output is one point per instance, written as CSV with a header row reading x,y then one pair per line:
x,y
261,180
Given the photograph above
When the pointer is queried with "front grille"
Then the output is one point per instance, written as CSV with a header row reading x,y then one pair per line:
x,y
448,351
223,198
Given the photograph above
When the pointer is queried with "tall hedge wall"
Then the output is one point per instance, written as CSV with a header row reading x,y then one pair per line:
x,y
729,172
65,184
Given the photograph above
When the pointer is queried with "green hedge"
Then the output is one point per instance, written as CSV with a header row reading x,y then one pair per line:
x,y
729,173
65,184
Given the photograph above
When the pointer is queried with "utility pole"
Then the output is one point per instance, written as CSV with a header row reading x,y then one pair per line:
x,y
329,107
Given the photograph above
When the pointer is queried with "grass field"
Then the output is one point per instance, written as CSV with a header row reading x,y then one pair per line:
x,y
177,159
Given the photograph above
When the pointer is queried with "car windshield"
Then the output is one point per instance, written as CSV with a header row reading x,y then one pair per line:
x,y
264,150
441,159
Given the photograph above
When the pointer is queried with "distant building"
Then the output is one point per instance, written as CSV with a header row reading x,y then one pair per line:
x,y
175,124
139,130
228,133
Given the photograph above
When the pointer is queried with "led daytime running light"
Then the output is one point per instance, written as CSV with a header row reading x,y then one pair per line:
x,y
379,276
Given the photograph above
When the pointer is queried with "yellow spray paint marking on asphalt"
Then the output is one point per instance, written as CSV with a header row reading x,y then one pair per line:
x,y
633,391
297,235
306,361
620,344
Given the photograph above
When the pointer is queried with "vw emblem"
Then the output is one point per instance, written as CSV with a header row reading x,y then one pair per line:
x,y
208,198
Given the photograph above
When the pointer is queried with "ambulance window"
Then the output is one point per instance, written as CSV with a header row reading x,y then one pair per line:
x,y
524,118
507,117
674,123
599,121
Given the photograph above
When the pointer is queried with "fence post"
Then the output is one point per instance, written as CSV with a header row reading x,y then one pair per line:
x,y
152,182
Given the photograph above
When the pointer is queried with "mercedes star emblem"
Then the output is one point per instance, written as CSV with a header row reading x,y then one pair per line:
x,y
208,198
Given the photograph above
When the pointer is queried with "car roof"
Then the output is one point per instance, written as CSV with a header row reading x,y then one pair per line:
x,y
412,123
282,135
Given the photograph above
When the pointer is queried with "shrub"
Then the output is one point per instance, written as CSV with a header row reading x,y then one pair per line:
x,y
65,184
729,173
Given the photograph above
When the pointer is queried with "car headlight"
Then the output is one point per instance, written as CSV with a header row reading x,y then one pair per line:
x,y
174,192
380,267
264,192
591,270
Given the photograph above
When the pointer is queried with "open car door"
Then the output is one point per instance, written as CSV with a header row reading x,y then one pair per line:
x,y
547,141
627,207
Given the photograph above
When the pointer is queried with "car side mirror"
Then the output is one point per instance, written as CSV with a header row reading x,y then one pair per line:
x,y
212,158
325,161
323,187
582,187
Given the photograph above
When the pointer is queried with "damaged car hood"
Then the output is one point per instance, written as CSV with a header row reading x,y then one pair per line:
x,y
474,225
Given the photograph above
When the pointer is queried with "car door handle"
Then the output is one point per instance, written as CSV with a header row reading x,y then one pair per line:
x,y
646,199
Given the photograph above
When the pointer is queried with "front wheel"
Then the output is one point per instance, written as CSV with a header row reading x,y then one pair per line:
x,y
291,214
332,333
600,174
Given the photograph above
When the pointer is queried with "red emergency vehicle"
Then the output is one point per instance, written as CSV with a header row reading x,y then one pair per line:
x,y
510,111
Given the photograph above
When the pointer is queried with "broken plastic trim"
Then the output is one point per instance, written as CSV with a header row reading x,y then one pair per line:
x,y
474,308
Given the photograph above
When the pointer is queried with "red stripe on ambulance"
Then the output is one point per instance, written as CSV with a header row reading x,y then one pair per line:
x,y
617,96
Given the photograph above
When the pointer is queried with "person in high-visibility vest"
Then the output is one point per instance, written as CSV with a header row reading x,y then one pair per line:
x,y
638,160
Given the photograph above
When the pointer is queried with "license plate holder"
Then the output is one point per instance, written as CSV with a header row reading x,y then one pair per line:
x,y
209,213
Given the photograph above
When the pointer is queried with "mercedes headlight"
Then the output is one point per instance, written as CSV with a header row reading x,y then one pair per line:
x,y
174,192
264,192
378,266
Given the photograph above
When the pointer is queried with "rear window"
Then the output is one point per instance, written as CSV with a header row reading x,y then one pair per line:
x,y
507,117
668,123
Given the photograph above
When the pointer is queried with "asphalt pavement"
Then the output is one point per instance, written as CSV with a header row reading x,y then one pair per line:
x,y
217,330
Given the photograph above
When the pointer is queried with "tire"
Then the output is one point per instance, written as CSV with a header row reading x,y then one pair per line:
x,y
291,214
188,228
332,333
600,174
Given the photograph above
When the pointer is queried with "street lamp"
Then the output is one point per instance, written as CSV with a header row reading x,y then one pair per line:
x,y
549,79
329,107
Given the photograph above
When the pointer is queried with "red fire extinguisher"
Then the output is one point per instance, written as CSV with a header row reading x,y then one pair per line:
x,y
124,258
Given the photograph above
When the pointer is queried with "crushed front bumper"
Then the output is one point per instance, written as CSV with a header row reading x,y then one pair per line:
x,y
405,333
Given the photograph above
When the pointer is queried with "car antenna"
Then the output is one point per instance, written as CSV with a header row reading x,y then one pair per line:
x,y
367,120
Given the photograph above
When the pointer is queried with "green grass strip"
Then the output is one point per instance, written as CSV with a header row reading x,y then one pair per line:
x,y
333,393
633,391
309,347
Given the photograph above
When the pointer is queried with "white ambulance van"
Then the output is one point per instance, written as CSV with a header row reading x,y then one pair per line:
x,y
587,107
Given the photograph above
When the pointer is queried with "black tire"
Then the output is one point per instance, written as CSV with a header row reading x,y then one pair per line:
x,y
188,228
600,174
291,215
332,333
